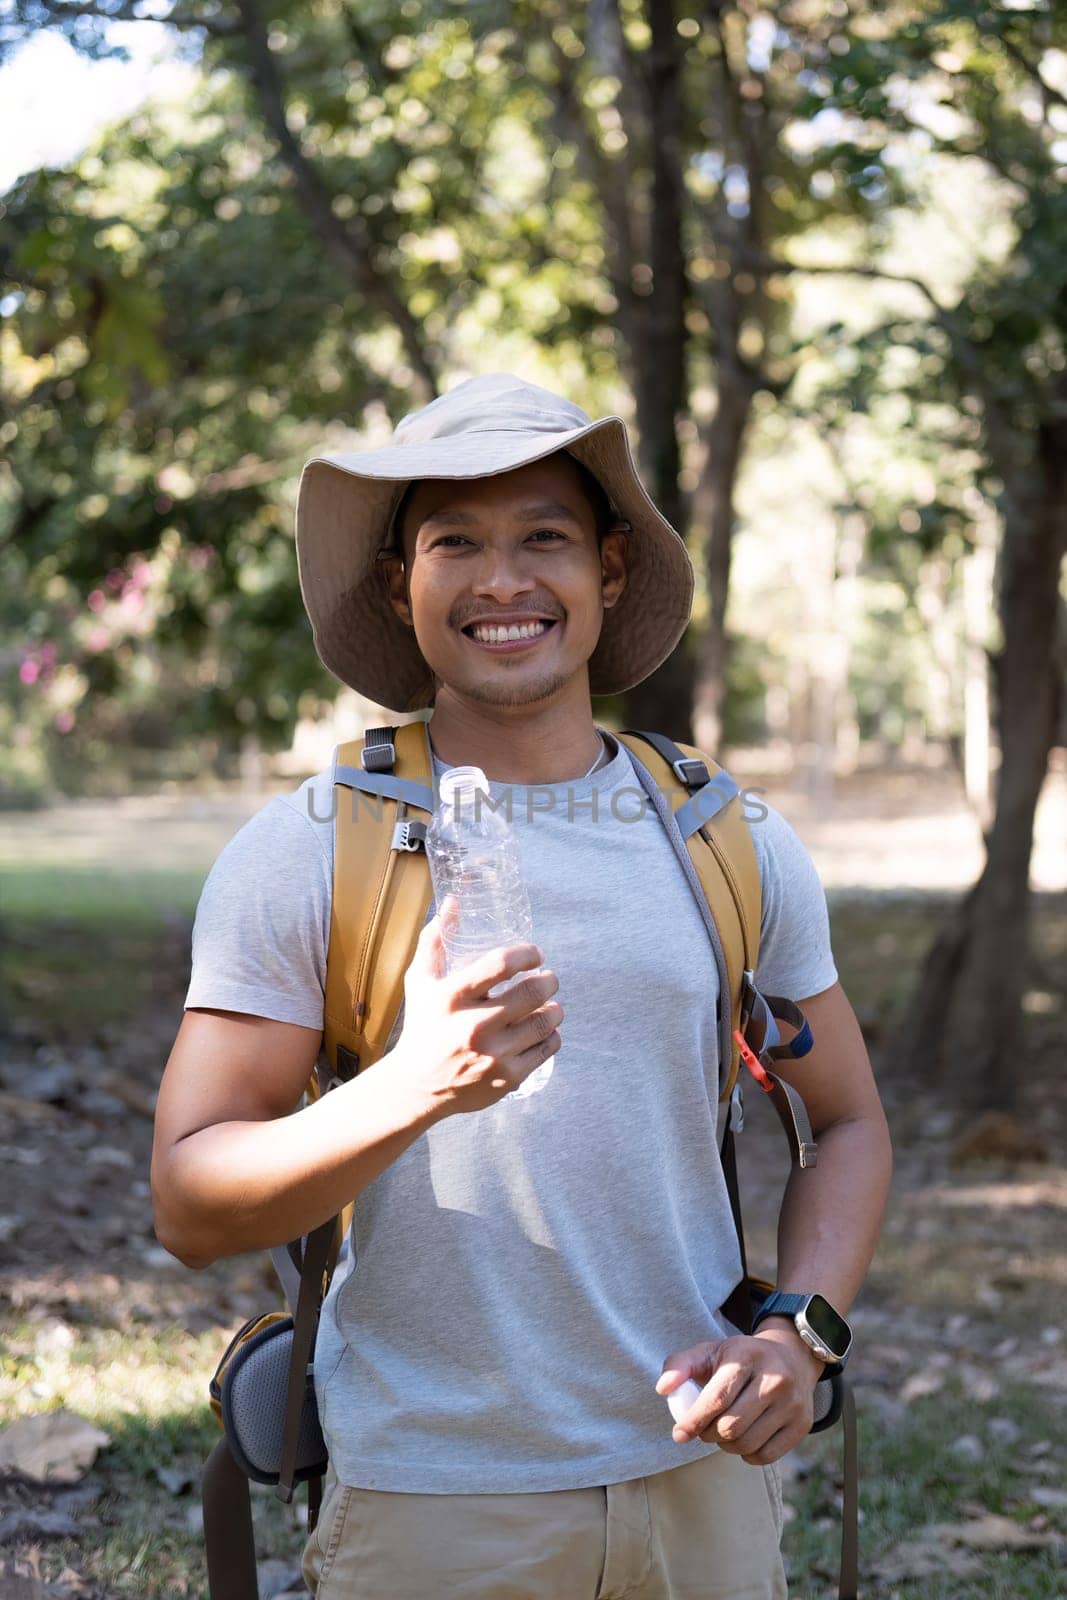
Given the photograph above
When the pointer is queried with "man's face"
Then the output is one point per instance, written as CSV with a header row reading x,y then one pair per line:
x,y
504,582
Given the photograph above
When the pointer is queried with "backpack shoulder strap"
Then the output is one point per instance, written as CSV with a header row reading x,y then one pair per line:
x,y
706,805
699,804
383,800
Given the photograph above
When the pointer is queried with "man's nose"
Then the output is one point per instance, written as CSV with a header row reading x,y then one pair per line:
x,y
502,574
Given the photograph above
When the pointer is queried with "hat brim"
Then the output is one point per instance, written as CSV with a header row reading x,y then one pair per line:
x,y
344,506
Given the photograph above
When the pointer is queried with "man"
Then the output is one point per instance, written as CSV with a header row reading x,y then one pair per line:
x,y
532,1275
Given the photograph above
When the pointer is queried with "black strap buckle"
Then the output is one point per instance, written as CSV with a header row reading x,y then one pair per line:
x,y
691,771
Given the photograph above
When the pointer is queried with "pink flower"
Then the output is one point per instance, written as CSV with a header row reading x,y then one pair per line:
x,y
97,639
64,721
29,672
97,600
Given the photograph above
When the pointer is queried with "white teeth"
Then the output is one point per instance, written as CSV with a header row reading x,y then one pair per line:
x,y
489,633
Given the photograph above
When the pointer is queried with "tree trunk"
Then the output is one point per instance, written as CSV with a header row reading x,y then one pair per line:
x,y
656,338
663,701
967,1010
714,509
978,573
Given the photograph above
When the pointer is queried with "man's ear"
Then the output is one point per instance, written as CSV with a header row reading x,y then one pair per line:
x,y
613,564
396,583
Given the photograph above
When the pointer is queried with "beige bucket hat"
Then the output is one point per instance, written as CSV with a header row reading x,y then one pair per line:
x,y
482,427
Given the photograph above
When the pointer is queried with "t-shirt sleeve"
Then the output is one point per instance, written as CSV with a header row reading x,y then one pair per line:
x,y
795,958
262,924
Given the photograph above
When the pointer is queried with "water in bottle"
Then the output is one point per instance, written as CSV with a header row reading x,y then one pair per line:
x,y
474,856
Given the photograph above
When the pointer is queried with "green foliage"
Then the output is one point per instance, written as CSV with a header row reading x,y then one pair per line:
x,y
212,295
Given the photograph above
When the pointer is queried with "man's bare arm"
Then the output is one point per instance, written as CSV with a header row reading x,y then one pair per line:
x,y
831,1215
236,1166
756,1398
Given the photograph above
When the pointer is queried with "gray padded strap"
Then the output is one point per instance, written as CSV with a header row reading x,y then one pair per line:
x,y
383,783
705,804
685,860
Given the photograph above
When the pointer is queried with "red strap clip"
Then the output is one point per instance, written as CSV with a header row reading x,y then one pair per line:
x,y
753,1063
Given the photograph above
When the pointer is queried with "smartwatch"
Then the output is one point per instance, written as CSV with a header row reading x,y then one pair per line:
x,y
823,1330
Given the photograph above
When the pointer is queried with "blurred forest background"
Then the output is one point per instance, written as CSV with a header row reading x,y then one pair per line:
x,y
814,251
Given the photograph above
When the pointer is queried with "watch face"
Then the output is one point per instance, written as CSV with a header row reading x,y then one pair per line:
x,y
826,1325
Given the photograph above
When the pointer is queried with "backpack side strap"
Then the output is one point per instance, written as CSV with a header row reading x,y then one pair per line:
x,y
229,1541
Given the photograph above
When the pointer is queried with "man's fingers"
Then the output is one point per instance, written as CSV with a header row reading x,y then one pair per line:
x,y
726,1384
474,982
529,1060
725,1387
697,1362
523,997
429,956
774,1449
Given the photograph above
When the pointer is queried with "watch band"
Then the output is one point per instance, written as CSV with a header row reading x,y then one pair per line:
x,y
779,1304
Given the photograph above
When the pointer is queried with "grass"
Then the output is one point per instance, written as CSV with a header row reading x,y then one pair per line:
x,y
92,897
148,1392
912,1478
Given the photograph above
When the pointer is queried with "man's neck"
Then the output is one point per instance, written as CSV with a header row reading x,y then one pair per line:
x,y
511,744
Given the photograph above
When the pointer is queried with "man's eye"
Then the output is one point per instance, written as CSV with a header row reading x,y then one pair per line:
x,y
448,539
546,533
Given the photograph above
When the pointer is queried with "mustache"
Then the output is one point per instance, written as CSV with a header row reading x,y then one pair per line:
x,y
463,619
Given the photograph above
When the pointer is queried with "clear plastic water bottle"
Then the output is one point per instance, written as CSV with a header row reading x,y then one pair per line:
x,y
474,856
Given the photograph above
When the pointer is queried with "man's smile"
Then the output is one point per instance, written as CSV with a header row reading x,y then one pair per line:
x,y
506,634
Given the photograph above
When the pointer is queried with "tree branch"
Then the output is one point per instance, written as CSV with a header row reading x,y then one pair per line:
x,y
1048,91
766,266
348,243
69,10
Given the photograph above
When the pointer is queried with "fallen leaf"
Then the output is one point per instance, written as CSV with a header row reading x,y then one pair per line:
x,y
17,1105
52,1447
991,1532
926,1558
952,1548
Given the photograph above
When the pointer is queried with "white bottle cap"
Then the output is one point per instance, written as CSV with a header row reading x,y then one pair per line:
x,y
686,1395
462,783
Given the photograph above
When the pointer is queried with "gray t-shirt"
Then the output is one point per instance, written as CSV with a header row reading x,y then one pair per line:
x,y
520,1273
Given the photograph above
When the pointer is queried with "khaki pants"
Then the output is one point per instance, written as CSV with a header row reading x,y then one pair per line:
x,y
708,1530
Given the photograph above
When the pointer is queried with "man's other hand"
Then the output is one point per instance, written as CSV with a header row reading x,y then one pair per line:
x,y
757,1393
